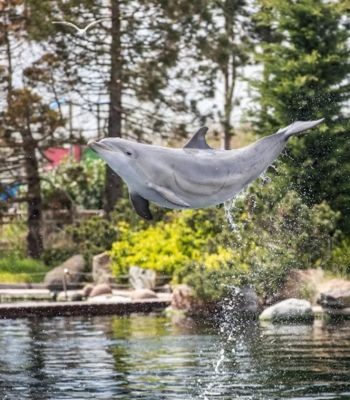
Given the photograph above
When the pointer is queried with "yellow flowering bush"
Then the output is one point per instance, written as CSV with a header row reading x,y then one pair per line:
x,y
166,246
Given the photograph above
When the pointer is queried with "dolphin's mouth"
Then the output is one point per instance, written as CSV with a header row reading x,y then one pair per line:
x,y
97,145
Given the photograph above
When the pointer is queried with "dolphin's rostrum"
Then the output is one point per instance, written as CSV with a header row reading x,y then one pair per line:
x,y
195,176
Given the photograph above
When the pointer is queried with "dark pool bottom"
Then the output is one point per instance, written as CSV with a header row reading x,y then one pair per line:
x,y
147,357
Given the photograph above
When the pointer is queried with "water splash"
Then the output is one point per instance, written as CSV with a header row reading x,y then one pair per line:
x,y
228,207
219,361
265,179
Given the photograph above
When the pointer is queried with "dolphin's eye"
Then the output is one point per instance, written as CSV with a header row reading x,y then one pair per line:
x,y
128,153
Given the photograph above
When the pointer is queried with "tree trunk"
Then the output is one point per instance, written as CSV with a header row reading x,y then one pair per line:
x,y
229,72
34,237
9,59
113,188
230,81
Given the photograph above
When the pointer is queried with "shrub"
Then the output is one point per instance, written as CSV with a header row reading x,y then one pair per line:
x,y
166,246
274,232
54,256
340,260
92,236
81,183
87,237
15,270
13,239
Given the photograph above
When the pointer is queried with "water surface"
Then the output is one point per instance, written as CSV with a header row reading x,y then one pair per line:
x,y
148,357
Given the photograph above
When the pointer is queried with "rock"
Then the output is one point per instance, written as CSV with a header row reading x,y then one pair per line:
x,y
108,298
101,269
335,294
290,310
72,295
245,300
303,284
75,267
141,294
141,278
87,289
98,290
77,296
182,298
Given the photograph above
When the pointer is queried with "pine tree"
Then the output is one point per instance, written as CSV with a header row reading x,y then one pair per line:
x,y
305,56
222,48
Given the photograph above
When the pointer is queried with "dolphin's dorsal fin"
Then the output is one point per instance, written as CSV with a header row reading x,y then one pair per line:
x,y
198,141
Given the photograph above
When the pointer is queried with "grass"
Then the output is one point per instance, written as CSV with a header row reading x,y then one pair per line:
x,y
21,270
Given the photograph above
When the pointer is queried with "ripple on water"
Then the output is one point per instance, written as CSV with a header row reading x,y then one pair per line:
x,y
146,357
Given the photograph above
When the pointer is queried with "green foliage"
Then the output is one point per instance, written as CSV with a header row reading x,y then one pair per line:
x,y
92,236
54,256
13,239
305,55
274,232
165,246
78,183
340,261
277,232
87,237
14,269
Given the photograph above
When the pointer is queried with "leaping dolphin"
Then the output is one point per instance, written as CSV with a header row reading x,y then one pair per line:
x,y
195,176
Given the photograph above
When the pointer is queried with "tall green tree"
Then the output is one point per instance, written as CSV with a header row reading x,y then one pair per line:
x,y
27,124
27,129
221,50
305,54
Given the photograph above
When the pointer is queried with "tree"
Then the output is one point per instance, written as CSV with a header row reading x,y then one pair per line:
x,y
306,76
27,128
221,49
27,124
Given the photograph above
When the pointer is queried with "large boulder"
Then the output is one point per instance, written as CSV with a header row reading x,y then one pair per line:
x,y
141,278
302,284
101,269
101,289
290,310
72,269
335,294
87,289
182,298
141,294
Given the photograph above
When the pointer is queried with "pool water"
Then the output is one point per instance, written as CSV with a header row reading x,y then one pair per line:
x,y
149,357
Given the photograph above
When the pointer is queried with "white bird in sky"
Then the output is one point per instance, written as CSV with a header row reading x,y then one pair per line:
x,y
80,31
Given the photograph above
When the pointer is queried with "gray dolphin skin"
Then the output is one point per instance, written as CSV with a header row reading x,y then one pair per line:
x,y
195,176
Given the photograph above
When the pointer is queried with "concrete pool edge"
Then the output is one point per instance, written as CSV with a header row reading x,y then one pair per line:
x,y
74,308
78,308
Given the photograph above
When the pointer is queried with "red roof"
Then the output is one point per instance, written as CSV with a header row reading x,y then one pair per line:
x,y
58,154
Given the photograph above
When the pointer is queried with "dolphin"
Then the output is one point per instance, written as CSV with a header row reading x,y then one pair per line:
x,y
195,176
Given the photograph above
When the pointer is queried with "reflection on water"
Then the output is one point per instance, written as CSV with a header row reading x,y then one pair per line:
x,y
147,357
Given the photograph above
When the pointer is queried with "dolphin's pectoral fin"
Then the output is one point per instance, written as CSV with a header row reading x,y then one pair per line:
x,y
169,195
141,206
198,141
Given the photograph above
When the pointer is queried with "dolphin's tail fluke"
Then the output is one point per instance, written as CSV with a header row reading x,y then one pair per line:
x,y
299,127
